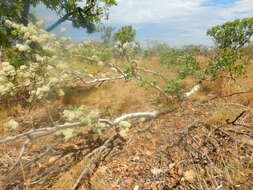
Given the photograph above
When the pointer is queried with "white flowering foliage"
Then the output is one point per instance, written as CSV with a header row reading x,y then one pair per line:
x,y
126,49
46,70
81,114
67,133
124,128
11,125
40,76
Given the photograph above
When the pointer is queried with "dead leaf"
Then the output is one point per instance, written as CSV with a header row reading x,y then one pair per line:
x,y
190,176
154,186
156,171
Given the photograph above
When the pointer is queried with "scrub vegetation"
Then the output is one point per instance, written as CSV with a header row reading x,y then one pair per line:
x,y
115,115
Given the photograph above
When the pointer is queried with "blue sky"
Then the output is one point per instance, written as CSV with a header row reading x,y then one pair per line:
x,y
176,22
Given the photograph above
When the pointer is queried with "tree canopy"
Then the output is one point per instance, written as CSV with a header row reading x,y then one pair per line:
x,y
125,34
233,34
82,13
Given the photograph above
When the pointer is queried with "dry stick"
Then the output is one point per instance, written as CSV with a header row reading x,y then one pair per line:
x,y
20,154
237,117
239,124
9,178
87,168
235,93
104,79
152,114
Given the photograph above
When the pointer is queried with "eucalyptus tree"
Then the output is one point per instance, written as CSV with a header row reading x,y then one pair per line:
x,y
81,13
234,34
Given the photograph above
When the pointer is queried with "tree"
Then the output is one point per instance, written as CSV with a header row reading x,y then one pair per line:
x,y
125,34
82,14
233,34
107,34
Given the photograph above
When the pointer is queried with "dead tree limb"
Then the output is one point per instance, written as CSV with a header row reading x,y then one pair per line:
x,y
152,114
87,168
20,154
32,134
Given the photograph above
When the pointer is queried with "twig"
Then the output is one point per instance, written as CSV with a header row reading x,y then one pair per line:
x,y
10,177
237,117
118,69
20,154
235,93
239,124
87,168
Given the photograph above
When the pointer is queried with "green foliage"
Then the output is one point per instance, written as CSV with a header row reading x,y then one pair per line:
x,y
171,57
95,51
16,58
233,34
189,66
155,48
228,61
125,34
173,87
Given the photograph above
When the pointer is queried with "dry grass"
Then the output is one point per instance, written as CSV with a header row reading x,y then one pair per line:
x,y
216,152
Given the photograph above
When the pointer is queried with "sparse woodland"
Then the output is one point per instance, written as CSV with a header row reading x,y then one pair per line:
x,y
113,115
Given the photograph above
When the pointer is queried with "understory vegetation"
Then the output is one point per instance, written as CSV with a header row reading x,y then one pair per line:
x,y
114,115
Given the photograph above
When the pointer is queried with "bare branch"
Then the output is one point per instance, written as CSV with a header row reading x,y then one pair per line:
x,y
237,117
192,91
20,154
152,114
87,168
40,132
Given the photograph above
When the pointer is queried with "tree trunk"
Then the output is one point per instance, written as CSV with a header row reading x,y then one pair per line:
x,y
25,13
61,20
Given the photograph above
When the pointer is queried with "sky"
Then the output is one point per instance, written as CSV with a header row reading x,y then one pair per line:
x,y
175,22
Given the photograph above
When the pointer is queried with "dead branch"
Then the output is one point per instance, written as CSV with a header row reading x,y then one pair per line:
x,y
104,79
118,69
152,114
239,124
192,91
20,154
236,93
11,175
237,117
232,94
32,134
87,168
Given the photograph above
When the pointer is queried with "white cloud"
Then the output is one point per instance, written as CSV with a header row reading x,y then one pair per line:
x,y
152,11
177,22
189,19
